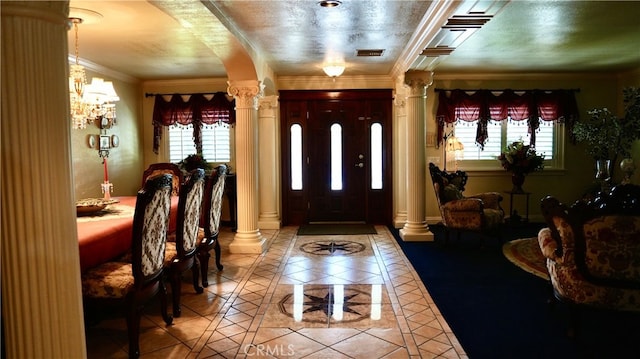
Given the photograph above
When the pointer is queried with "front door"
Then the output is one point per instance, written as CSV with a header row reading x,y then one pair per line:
x,y
336,156
337,163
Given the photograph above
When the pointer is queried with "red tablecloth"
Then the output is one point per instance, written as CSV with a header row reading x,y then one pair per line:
x,y
102,238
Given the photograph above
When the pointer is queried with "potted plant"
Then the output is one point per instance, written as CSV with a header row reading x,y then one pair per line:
x,y
608,136
194,161
520,159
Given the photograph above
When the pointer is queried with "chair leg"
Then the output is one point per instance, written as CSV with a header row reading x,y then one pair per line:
x,y
133,329
176,291
163,303
217,249
195,273
203,257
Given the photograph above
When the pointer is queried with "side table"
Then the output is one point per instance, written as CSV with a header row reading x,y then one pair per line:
x,y
513,214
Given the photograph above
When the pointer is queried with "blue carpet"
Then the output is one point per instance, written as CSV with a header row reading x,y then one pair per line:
x,y
497,310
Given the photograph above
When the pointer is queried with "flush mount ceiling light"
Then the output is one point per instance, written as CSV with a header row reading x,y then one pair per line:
x,y
329,3
333,70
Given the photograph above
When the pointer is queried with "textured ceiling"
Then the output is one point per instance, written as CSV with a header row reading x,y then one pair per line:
x,y
195,39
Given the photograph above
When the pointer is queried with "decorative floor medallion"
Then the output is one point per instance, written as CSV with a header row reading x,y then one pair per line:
x,y
328,248
331,303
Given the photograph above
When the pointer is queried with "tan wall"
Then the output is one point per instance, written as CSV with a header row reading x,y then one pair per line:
x,y
125,161
135,130
568,184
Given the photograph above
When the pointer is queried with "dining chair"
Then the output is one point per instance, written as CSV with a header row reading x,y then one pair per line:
x,y
182,245
212,210
173,169
130,285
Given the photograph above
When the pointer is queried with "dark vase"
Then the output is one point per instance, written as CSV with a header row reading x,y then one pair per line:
x,y
517,179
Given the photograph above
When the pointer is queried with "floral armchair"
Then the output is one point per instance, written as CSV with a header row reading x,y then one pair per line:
x,y
479,213
592,249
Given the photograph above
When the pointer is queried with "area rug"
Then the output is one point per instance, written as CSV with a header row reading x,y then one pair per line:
x,y
525,253
335,228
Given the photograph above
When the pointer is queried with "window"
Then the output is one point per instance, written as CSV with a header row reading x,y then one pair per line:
x,y
549,141
216,143
336,157
494,118
296,157
376,156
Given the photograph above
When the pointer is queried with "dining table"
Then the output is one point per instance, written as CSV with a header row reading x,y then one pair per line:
x,y
106,234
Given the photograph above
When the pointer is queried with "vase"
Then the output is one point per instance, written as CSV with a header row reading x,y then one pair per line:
x,y
603,176
602,170
518,180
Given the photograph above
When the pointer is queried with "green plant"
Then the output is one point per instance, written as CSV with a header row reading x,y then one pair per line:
x,y
194,161
608,135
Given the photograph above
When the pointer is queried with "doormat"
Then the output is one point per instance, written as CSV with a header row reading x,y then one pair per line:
x,y
335,228
526,254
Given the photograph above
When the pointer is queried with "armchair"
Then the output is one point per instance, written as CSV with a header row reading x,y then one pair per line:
x,y
479,213
592,250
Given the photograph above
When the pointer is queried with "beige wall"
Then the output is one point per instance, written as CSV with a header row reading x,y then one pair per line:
x,y
568,184
124,162
135,130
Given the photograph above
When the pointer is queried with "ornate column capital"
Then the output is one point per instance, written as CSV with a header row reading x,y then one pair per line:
x,y
418,82
268,104
246,93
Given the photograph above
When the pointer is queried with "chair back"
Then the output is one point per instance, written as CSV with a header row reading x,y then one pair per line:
x,y
603,235
447,185
162,168
150,225
189,207
213,201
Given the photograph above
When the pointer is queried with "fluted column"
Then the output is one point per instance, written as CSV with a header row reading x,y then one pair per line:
x,y
400,158
248,238
416,229
268,217
41,295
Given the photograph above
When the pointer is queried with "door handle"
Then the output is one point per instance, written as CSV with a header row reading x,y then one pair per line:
x,y
360,164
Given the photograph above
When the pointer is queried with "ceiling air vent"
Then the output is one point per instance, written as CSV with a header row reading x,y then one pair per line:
x,y
370,52
437,51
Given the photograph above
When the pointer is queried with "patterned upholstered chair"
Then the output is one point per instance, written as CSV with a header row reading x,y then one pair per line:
x,y
132,284
182,246
155,169
210,222
592,250
479,213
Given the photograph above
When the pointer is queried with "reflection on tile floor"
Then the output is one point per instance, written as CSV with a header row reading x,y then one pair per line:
x,y
305,297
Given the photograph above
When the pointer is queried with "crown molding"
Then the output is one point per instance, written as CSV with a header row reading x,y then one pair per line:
x,y
104,70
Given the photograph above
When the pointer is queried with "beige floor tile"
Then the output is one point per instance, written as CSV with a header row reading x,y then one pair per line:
x,y
248,309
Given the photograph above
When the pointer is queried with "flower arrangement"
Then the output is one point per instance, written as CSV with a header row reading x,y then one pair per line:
x,y
521,159
194,161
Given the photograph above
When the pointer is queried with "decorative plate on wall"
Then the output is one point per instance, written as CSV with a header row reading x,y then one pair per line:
x,y
115,141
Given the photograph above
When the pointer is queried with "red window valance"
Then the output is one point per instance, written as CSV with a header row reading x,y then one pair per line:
x,y
484,105
197,110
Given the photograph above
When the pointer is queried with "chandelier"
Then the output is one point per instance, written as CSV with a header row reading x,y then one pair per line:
x,y
89,102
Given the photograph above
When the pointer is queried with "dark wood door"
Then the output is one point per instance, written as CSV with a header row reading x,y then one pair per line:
x,y
308,192
337,162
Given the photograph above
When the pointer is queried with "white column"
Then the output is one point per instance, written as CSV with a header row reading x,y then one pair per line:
x,y
400,158
41,295
248,238
416,228
268,217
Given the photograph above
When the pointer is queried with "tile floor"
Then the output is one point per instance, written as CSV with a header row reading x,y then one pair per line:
x,y
305,297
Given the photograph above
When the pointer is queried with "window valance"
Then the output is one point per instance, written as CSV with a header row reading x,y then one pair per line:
x,y
498,105
197,110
